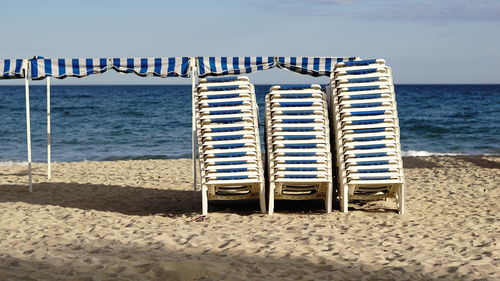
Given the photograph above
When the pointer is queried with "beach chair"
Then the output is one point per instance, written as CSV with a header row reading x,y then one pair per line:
x,y
228,141
366,133
298,144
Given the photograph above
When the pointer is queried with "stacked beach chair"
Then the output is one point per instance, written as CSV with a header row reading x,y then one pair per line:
x,y
228,140
365,122
298,144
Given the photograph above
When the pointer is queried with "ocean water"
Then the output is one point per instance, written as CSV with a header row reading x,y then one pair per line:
x,y
154,121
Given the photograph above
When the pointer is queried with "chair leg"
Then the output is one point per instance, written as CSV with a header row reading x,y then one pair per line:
x,y
328,199
262,199
271,199
401,199
345,198
204,200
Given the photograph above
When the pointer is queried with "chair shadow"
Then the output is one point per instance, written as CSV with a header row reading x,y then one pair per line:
x,y
128,200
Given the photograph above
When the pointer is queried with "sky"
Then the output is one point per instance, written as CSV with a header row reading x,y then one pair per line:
x,y
444,41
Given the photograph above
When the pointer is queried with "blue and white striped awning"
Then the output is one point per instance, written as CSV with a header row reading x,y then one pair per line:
x,y
62,68
162,67
11,69
218,66
314,66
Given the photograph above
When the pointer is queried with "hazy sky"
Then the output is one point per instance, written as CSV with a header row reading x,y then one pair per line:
x,y
445,41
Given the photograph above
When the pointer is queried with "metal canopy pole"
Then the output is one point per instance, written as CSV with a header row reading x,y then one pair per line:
x,y
28,124
48,131
193,121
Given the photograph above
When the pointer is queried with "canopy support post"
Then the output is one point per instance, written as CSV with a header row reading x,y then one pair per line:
x,y
28,125
49,170
193,121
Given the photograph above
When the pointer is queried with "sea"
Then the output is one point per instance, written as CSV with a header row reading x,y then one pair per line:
x,y
128,122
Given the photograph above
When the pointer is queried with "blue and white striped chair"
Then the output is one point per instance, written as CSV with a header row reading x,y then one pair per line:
x,y
298,144
366,127
228,140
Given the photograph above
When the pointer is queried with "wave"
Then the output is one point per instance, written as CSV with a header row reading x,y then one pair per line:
x,y
12,163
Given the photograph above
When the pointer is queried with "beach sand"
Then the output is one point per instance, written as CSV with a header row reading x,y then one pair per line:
x,y
133,220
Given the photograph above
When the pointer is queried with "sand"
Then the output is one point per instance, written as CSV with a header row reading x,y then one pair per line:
x,y
133,220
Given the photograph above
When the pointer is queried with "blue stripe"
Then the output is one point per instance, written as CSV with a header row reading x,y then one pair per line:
x,y
304,169
157,68
364,122
232,137
259,63
223,88
171,67
48,67
363,88
298,112
62,67
298,129
233,170
300,161
366,163
377,154
316,64
363,80
225,103
301,145
361,97
293,63
231,162
296,96
229,146
373,171
295,86
144,66
299,137
368,113
116,63
288,121
230,129
362,71
295,104
233,178
227,96
223,62
360,62
130,65
6,68
374,178
300,154
369,138
301,176
328,64
222,79
305,61
236,65
211,61
103,64
230,154
248,67
226,120
370,104
89,66
185,67
75,65
201,65
34,68
370,146
215,112
19,64
374,130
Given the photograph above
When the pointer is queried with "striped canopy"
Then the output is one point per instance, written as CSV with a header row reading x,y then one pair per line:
x,y
218,66
11,69
314,66
162,67
62,68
